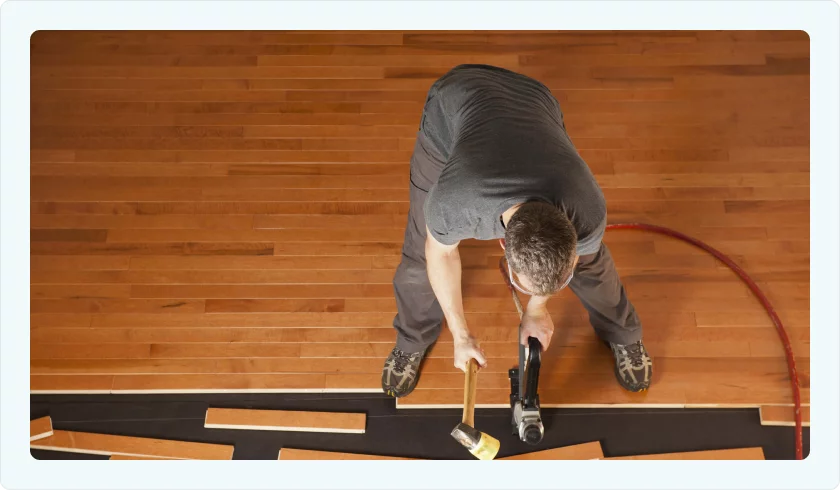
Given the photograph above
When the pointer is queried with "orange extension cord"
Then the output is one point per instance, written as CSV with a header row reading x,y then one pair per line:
x,y
794,379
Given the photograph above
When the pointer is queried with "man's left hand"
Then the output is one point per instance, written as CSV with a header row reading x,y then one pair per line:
x,y
536,322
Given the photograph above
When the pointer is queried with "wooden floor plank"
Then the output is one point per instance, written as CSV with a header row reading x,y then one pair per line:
x,y
70,383
284,420
781,415
89,443
220,383
224,211
40,428
589,450
751,453
89,351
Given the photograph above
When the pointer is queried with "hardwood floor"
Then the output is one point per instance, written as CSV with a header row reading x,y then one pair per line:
x,y
223,211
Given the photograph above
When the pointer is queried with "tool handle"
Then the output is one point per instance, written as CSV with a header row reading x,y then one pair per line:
x,y
532,373
470,383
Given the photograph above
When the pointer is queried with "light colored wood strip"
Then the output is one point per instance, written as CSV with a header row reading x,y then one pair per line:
x,y
40,428
589,450
90,443
749,453
285,420
291,454
780,415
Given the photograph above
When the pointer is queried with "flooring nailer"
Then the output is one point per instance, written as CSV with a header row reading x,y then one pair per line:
x,y
524,399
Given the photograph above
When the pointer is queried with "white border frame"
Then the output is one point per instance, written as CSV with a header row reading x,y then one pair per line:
x,y
19,19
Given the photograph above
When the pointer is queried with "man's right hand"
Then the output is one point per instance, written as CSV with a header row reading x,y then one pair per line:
x,y
467,348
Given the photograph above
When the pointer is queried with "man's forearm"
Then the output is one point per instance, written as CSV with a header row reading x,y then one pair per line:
x,y
445,277
537,303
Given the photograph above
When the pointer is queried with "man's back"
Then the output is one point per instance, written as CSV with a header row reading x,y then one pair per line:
x,y
504,142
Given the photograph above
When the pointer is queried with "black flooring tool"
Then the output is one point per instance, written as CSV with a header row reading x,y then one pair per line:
x,y
524,399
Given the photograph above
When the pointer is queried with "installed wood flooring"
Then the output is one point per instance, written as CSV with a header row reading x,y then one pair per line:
x,y
223,211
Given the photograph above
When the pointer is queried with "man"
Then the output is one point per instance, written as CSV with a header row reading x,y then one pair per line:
x,y
492,160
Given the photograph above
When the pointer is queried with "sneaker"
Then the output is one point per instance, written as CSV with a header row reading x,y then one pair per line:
x,y
400,373
633,366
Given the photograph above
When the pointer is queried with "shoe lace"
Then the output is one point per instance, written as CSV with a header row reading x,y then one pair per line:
x,y
635,354
401,360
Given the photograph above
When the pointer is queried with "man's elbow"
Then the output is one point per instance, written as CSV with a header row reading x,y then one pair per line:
x,y
434,247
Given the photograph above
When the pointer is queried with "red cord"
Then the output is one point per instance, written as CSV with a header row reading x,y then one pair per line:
x,y
794,379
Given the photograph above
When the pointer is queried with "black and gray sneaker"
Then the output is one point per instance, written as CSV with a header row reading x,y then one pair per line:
x,y
633,366
401,372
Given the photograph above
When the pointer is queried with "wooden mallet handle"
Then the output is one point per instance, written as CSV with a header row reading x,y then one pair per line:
x,y
470,382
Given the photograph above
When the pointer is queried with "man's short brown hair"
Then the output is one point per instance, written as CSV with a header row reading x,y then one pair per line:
x,y
541,244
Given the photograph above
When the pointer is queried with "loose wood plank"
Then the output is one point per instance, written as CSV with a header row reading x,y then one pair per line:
x,y
589,450
90,443
751,453
40,428
284,420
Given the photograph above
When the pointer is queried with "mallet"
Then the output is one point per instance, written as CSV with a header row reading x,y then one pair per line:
x,y
481,445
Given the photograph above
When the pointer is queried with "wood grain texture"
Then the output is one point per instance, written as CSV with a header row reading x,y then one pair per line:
x,y
781,415
224,211
741,454
85,442
284,420
83,383
40,428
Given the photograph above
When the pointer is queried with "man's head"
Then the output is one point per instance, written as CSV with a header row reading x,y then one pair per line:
x,y
540,246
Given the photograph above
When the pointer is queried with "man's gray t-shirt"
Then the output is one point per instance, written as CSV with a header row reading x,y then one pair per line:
x,y
502,137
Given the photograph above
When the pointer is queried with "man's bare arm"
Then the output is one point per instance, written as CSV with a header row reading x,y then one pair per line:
x,y
443,264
